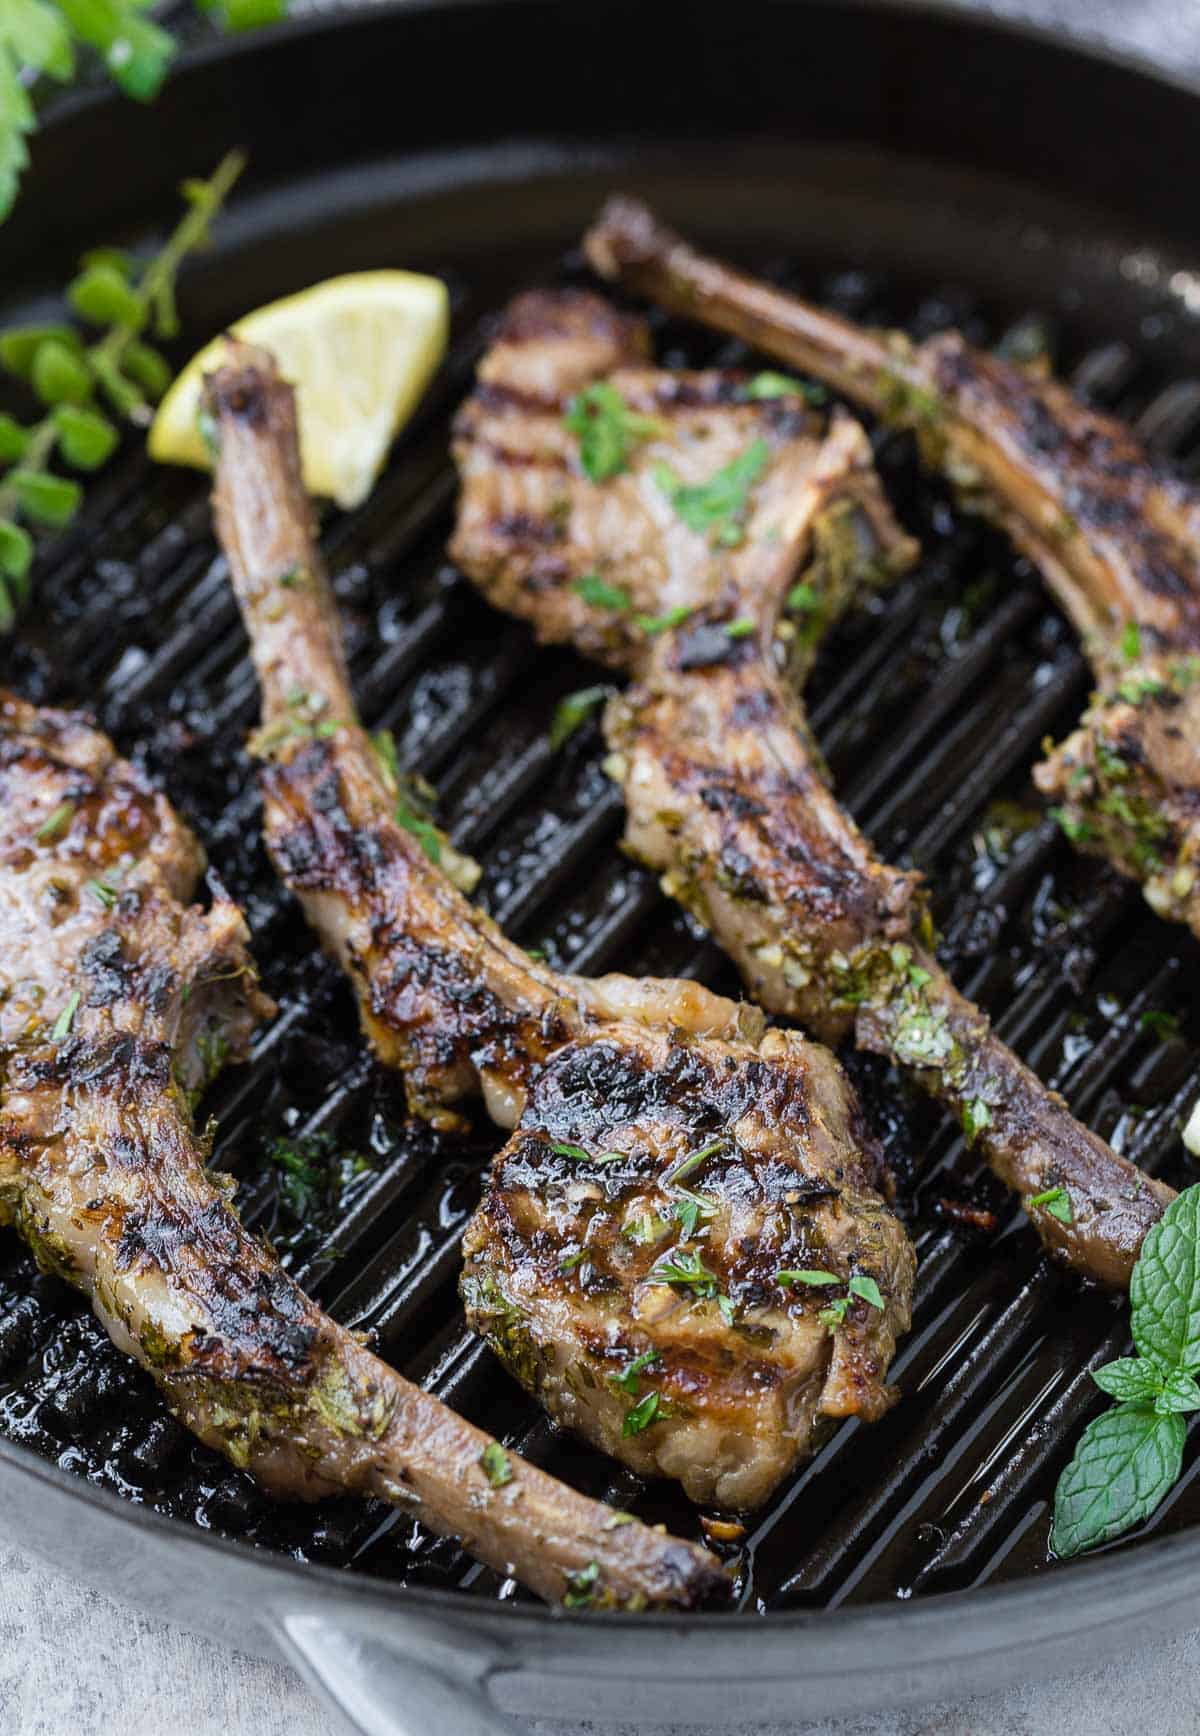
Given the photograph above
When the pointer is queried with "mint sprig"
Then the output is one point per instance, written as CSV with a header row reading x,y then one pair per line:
x,y
1129,1458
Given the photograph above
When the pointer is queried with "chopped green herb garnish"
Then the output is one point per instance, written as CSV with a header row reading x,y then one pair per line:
x,y
688,1165
1057,1201
412,798
1130,1457
652,625
976,1116
1159,1024
804,1275
646,1228
834,1316
606,429
100,890
572,712
641,1415
569,1262
64,1021
867,1289
56,823
771,385
690,1207
627,1380
717,508
740,629
583,1587
1075,828
597,591
496,1464
801,598
561,1149
1131,642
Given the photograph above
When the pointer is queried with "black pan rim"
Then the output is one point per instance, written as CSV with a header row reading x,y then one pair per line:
x,y
1145,1577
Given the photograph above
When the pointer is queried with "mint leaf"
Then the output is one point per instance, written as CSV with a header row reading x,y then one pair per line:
x,y
606,429
1125,1463
1132,1379
1164,1291
1180,1393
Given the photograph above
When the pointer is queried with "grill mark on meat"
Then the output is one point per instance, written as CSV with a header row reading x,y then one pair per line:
x,y
653,1070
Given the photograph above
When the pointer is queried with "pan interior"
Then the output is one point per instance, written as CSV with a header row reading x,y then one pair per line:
x,y
930,709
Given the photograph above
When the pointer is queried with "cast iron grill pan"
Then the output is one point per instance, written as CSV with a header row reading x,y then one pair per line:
x,y
930,708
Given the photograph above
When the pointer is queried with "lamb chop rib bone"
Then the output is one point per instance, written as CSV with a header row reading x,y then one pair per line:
x,y
723,784
646,1313
119,1001
1117,541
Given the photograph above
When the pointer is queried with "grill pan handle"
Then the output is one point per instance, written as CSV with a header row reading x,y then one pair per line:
x,y
394,1676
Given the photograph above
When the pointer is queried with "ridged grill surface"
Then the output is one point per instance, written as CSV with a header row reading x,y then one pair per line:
x,y
930,708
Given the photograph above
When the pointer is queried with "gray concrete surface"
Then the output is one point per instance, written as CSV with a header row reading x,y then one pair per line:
x,y
75,1664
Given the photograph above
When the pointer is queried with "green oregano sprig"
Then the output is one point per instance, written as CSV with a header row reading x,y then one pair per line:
x,y
72,375
1129,1458
44,38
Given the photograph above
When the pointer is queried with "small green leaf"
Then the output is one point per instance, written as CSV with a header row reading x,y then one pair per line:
x,y
64,1021
769,385
38,36
496,1464
835,1315
86,439
739,629
627,1380
595,590
1180,1393
606,429
1131,1379
1131,642
572,712
975,1117
102,296
1056,1201
560,1148
1164,1291
14,440
641,1415
16,550
716,508
55,823
59,376
1126,1461
804,1275
147,367
652,625
802,598
867,1289
48,500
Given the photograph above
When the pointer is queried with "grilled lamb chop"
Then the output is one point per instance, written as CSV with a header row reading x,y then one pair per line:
x,y
713,597
117,1003
634,1261
1116,539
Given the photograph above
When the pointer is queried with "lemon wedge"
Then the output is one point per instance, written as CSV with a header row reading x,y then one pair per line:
x,y
360,351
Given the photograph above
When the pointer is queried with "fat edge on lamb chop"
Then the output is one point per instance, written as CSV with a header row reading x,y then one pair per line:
x,y
118,1000
682,1250
1116,539
706,559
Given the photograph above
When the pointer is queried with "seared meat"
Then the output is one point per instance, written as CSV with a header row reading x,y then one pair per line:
x,y
656,1126
1117,540
117,1002
643,1240
724,787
